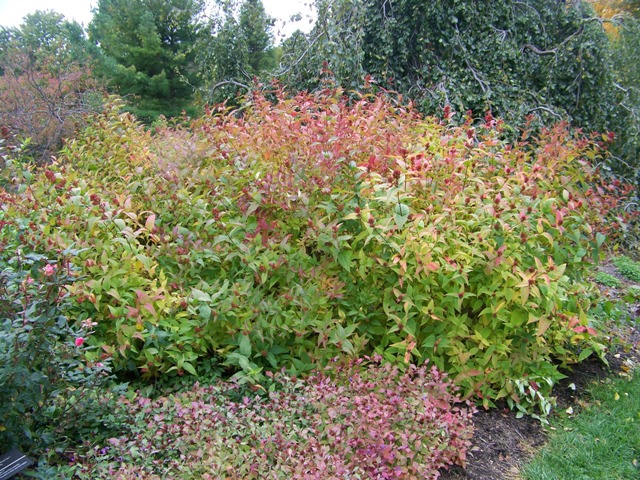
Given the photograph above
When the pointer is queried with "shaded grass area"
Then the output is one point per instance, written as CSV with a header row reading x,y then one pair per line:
x,y
602,441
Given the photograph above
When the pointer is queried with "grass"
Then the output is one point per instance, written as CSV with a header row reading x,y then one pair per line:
x,y
600,442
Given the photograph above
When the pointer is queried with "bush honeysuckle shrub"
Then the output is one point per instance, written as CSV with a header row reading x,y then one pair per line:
x,y
357,419
284,234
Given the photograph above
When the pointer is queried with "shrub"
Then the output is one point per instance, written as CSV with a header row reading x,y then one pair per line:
x,y
46,84
356,419
289,233
48,392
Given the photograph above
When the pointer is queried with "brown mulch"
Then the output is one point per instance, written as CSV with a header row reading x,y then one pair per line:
x,y
502,442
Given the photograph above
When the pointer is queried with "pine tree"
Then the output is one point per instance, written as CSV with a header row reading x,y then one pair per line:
x,y
148,49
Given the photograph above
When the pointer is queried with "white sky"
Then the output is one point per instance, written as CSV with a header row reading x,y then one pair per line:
x,y
13,11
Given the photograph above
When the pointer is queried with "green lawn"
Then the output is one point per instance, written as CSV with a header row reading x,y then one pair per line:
x,y
602,441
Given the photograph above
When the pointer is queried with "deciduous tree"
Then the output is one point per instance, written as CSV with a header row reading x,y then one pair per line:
x,y
46,83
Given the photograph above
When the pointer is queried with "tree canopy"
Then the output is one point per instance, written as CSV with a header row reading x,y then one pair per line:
x,y
148,48
46,82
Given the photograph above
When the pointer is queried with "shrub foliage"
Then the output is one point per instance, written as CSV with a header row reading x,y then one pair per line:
x,y
47,388
284,234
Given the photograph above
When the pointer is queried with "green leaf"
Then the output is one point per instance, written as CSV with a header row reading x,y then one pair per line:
x,y
120,224
586,353
244,363
518,318
200,295
244,346
344,259
205,312
189,368
401,214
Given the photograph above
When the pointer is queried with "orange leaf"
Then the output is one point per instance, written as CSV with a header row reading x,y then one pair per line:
x,y
432,266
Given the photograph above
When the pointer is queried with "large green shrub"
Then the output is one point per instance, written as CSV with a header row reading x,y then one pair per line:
x,y
294,232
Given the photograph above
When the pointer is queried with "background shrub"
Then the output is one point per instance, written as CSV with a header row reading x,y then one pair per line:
x,y
47,85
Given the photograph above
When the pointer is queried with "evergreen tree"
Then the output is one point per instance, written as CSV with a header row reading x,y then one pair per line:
x,y
255,27
148,48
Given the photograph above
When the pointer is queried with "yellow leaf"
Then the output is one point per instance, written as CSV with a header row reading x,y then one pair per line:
x,y
616,397
150,223
543,326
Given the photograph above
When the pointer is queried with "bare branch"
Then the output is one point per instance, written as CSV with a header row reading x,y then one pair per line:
x,y
229,82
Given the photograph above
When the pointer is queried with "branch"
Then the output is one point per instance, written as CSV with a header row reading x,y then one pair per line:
x,y
229,82
475,75
483,84
546,109
537,51
301,57
554,51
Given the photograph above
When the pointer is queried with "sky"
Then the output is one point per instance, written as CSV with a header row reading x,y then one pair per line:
x,y
13,11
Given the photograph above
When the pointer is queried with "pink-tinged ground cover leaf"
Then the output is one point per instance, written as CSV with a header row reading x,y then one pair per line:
x,y
353,418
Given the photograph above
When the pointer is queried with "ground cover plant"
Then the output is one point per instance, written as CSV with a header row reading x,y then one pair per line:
x,y
355,419
627,268
300,228
607,279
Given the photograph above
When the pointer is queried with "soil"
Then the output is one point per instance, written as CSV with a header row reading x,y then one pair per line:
x,y
502,442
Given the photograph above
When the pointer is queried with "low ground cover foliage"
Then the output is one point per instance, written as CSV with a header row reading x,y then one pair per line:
x,y
627,268
607,280
355,419
301,228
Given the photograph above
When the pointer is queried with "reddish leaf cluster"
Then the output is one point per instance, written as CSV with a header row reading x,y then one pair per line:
x,y
353,419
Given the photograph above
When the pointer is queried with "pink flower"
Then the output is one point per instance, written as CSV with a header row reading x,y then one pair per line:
x,y
79,341
49,270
